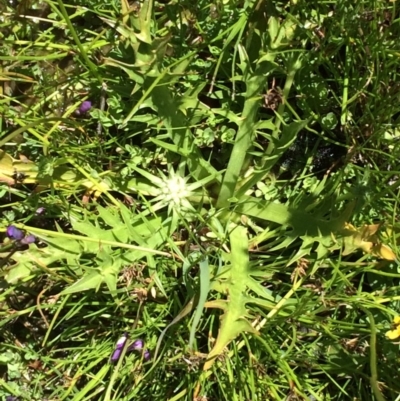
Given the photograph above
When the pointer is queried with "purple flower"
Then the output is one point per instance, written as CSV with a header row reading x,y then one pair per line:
x,y
40,210
116,354
85,106
29,239
136,345
119,346
11,398
14,233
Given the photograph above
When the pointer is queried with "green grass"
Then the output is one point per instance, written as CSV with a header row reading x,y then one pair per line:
x,y
230,199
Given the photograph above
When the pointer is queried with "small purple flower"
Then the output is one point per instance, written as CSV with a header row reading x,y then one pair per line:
x,y
85,107
11,398
119,346
116,354
136,345
14,233
146,355
29,239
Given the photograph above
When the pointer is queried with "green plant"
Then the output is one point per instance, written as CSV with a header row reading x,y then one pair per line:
x,y
230,198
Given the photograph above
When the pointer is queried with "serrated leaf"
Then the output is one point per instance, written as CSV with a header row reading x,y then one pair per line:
x,y
18,272
134,234
104,256
110,216
27,261
87,228
109,268
66,246
237,277
288,136
143,21
310,227
91,281
121,234
110,278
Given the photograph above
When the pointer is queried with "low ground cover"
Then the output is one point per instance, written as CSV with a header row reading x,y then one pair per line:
x,y
199,200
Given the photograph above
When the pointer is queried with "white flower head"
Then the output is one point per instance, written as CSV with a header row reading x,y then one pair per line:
x,y
175,192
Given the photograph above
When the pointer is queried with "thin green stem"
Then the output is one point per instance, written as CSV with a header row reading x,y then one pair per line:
x,y
372,361
82,51
345,96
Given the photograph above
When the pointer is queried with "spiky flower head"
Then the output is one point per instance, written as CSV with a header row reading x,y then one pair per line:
x,y
174,192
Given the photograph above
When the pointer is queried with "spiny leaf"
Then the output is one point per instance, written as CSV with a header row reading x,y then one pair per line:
x,y
236,279
110,216
91,281
28,261
310,227
288,136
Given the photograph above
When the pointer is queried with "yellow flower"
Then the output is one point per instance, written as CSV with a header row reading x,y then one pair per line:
x,y
395,333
